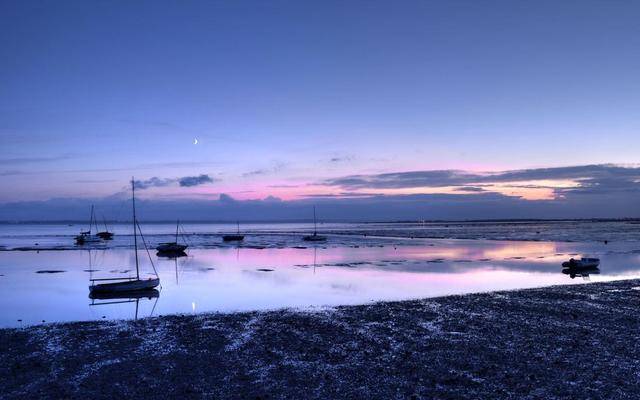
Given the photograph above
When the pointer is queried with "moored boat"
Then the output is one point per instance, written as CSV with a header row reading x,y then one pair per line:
x,y
584,262
105,235
128,284
234,237
172,247
315,237
124,285
85,237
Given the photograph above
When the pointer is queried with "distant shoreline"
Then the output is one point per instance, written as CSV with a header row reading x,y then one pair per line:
x,y
571,341
303,221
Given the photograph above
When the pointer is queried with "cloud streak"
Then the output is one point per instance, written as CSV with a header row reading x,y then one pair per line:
x,y
33,160
186,181
189,181
587,179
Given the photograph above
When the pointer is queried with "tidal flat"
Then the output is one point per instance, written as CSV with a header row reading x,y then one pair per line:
x,y
569,341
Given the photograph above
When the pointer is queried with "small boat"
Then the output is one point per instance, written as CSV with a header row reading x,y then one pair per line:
x,y
128,284
583,263
237,237
84,239
172,247
85,236
124,284
105,235
315,237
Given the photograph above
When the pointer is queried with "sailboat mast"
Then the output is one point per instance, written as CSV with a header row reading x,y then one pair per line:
x,y
91,220
238,223
315,229
135,238
177,225
95,221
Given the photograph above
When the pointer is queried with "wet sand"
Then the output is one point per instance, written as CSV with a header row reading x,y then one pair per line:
x,y
555,342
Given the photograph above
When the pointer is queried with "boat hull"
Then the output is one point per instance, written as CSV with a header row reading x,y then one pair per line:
x,y
171,248
314,238
105,235
125,286
84,239
233,238
585,263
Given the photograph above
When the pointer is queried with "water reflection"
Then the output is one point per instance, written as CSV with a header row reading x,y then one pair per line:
x,y
171,254
128,297
240,278
581,272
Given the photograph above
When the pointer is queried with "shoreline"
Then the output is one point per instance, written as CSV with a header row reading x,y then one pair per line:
x,y
574,341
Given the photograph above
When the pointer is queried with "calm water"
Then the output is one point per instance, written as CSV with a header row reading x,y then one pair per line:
x,y
204,235
232,279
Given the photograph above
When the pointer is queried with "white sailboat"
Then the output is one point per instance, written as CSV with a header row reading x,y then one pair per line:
x,y
128,284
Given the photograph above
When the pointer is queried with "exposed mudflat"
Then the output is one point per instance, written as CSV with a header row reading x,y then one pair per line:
x,y
275,240
559,342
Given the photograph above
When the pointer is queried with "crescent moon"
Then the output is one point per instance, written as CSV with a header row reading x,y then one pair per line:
x,y
195,141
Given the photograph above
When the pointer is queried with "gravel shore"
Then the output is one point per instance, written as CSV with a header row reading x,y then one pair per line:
x,y
578,341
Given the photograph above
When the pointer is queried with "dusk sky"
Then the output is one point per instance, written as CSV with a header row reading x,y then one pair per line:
x,y
372,110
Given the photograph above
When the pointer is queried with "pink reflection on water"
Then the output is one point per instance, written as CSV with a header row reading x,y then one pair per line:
x,y
228,279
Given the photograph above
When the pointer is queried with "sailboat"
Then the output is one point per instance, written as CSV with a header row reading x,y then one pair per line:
x,y
105,235
315,237
172,247
128,284
86,236
237,237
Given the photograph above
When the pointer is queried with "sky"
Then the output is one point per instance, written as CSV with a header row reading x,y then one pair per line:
x,y
372,110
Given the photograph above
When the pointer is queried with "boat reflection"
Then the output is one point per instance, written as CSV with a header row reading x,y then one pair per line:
x,y
581,272
133,296
171,254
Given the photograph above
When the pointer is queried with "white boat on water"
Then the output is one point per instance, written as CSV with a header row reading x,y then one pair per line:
x,y
128,284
